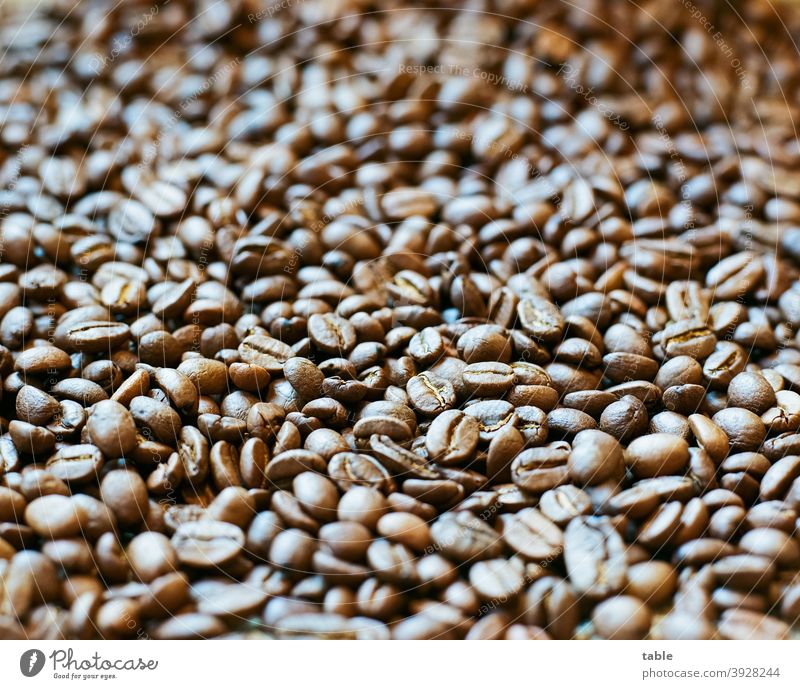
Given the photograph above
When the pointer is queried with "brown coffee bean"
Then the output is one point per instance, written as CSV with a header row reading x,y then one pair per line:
x,y
751,391
207,543
76,463
748,625
594,554
405,528
652,582
622,617
485,343
595,457
542,468
533,536
463,538
125,493
348,469
496,579
429,394
54,516
35,406
563,503
304,376
452,437
488,379
151,555
492,415
566,423
317,495
265,351
111,428
331,333
400,461
540,319
97,336
41,359
625,418
744,429
658,454
363,505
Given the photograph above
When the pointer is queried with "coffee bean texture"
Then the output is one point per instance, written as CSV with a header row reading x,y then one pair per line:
x,y
342,320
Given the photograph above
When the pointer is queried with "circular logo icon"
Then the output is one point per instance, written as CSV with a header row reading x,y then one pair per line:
x,y
31,662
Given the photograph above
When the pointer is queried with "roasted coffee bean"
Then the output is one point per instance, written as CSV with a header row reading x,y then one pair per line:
x,y
36,406
542,468
595,457
659,454
533,536
593,402
721,367
362,504
41,359
622,617
253,460
594,554
540,318
286,465
54,516
744,429
566,423
392,562
111,428
452,437
563,503
496,579
429,394
532,424
625,418
751,391
652,582
207,543
492,415
349,468
304,376
125,493
157,419
400,461
488,379
748,625
485,343
464,538
76,463
97,336
194,454
680,370
331,333
265,351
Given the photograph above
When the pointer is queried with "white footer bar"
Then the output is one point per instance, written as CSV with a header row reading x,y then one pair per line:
x,y
400,665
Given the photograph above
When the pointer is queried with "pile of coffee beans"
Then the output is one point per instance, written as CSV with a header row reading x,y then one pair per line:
x,y
343,320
